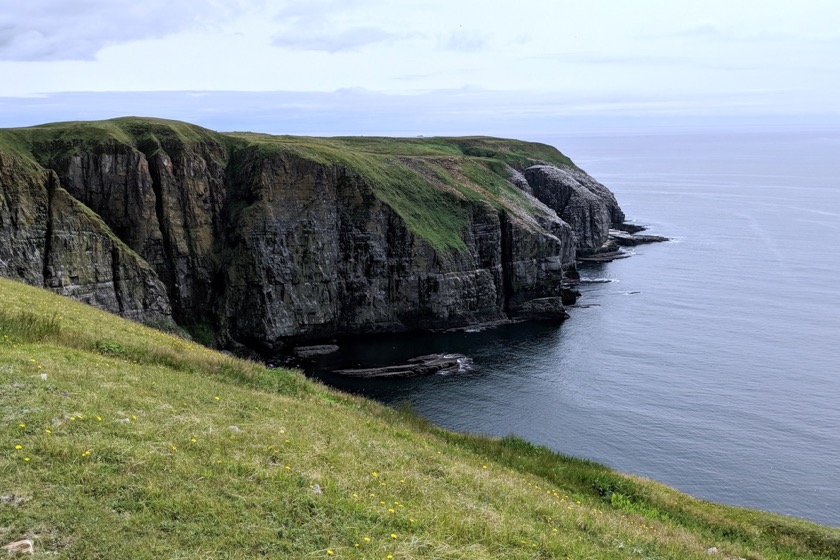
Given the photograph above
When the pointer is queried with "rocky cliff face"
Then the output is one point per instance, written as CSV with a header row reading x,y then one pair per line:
x,y
164,202
268,239
581,201
48,238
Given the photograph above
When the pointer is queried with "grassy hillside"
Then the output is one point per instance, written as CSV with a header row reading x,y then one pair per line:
x,y
118,441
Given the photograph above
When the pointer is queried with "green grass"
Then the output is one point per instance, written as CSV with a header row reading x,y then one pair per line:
x,y
125,130
119,441
492,179
46,142
15,153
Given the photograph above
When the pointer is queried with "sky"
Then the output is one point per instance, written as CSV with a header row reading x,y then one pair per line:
x,y
423,67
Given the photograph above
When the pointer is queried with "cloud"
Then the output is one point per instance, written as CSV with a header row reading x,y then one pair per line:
x,y
350,39
703,30
710,31
332,26
39,30
314,12
463,41
613,59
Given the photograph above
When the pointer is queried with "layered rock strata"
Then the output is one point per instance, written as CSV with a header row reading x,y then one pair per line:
x,y
48,238
267,239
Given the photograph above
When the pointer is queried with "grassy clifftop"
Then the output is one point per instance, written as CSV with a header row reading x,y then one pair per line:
x,y
119,441
424,180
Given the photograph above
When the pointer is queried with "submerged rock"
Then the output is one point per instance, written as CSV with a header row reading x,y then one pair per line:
x,y
441,364
630,240
620,236
307,352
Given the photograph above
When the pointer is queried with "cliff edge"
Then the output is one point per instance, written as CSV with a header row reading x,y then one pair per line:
x,y
264,238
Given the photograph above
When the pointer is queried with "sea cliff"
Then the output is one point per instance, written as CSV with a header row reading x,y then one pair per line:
x,y
270,239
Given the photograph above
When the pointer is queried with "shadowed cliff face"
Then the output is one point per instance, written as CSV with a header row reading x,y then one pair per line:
x,y
581,201
311,251
271,238
164,202
48,238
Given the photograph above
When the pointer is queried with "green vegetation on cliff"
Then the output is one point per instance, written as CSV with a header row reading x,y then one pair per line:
x,y
131,131
119,441
424,180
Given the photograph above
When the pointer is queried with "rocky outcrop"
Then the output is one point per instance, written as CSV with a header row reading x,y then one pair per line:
x,y
164,202
272,240
85,262
24,213
49,238
581,201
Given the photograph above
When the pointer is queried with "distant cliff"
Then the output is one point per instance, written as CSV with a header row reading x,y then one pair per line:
x,y
270,238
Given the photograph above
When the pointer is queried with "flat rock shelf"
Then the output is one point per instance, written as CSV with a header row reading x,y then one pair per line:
x,y
441,364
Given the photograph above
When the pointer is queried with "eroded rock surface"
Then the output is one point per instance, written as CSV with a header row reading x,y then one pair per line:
x,y
268,240
581,201
48,238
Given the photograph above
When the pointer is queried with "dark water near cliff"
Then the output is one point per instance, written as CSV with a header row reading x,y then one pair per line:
x,y
711,363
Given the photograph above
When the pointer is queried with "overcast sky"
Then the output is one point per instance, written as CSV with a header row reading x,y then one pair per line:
x,y
425,66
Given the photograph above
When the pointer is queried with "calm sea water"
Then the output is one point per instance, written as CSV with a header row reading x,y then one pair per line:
x,y
710,363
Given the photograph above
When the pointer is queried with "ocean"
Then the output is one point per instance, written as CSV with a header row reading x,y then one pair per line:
x,y
710,363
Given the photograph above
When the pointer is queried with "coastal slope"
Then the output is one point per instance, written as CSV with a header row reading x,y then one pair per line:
x,y
120,441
